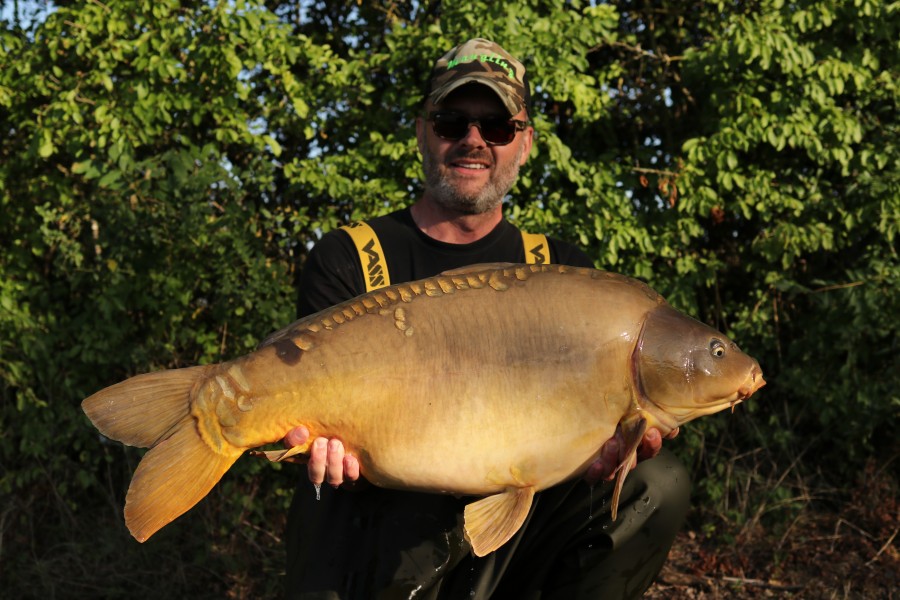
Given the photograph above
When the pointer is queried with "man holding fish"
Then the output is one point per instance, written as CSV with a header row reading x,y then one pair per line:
x,y
354,540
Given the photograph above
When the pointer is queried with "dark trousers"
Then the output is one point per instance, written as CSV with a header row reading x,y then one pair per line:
x,y
386,544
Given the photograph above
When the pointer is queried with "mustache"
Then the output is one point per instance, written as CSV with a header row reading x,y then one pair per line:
x,y
482,156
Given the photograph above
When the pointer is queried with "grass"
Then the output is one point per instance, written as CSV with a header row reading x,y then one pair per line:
x,y
818,544
51,549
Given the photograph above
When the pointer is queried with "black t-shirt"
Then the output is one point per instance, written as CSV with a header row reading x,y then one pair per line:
x,y
333,272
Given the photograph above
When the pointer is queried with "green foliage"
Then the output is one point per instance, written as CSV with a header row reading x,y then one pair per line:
x,y
801,147
165,166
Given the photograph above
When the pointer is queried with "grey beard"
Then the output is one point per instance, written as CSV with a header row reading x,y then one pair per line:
x,y
485,200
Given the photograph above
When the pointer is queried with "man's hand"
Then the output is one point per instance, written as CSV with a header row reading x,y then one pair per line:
x,y
327,460
613,450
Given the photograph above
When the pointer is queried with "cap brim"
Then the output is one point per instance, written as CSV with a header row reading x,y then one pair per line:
x,y
438,95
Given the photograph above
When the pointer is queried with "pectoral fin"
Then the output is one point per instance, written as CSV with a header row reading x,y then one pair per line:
x,y
491,521
632,432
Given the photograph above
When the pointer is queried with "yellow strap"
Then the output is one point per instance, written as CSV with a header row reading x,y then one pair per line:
x,y
371,256
537,250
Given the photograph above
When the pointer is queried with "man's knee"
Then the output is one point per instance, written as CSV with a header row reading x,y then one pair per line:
x,y
669,489
621,558
668,481
655,501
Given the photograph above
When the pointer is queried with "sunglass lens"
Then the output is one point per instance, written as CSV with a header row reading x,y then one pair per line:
x,y
498,131
451,127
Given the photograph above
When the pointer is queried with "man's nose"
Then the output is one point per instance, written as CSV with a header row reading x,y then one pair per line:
x,y
473,136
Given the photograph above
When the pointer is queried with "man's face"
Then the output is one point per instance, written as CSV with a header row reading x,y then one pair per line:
x,y
468,176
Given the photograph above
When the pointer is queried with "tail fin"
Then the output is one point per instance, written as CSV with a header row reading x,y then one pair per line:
x,y
142,410
173,476
153,410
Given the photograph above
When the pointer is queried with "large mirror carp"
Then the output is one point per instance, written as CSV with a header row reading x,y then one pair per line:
x,y
467,383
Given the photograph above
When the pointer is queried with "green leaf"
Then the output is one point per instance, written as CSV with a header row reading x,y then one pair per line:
x,y
46,148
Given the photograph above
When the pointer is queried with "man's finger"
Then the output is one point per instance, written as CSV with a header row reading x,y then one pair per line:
x,y
595,472
296,437
351,468
606,463
650,444
317,456
334,463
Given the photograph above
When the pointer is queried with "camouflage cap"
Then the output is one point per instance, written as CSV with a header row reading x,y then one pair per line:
x,y
480,61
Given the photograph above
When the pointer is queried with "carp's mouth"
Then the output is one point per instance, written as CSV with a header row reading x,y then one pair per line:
x,y
754,382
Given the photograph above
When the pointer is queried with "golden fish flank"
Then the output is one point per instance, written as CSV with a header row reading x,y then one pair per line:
x,y
458,365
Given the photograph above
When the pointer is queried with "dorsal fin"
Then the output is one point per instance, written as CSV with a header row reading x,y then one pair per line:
x,y
468,270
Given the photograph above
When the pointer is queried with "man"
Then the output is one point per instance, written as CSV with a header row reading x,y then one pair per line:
x,y
359,541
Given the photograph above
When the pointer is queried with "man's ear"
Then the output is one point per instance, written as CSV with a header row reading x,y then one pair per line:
x,y
528,140
420,134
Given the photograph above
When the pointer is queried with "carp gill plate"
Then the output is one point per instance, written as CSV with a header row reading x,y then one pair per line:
x,y
518,372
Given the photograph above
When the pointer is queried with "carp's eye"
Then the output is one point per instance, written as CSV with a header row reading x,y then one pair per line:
x,y
717,348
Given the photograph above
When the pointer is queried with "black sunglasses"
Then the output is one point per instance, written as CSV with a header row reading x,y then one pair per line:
x,y
495,131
